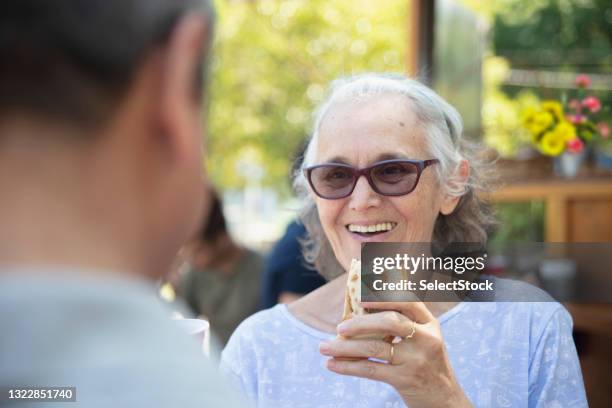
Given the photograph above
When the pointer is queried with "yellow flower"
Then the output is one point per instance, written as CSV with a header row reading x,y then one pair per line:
x,y
536,121
541,121
554,108
528,115
565,131
552,144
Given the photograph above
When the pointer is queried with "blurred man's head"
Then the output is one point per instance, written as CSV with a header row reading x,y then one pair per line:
x,y
101,118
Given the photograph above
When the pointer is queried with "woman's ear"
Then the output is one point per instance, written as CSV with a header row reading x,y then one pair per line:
x,y
459,180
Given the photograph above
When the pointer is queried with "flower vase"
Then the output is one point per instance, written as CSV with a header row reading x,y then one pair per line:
x,y
567,164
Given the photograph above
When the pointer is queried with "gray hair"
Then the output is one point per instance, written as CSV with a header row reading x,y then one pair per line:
x,y
471,219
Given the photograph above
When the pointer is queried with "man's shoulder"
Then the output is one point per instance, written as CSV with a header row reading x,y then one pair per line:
x,y
92,314
87,332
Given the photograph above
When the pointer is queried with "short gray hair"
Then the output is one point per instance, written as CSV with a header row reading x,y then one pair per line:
x,y
472,218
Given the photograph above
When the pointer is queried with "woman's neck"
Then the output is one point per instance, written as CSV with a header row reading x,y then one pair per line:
x,y
322,309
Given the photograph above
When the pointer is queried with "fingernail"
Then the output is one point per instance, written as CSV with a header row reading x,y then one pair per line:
x,y
342,327
324,348
331,363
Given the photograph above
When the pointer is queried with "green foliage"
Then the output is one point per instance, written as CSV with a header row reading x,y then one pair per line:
x,y
273,62
518,222
558,34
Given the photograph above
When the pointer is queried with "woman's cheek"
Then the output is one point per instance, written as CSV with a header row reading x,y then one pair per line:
x,y
329,214
419,228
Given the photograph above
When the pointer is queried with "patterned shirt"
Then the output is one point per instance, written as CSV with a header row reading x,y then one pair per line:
x,y
504,354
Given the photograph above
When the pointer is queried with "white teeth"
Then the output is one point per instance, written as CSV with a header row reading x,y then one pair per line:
x,y
384,226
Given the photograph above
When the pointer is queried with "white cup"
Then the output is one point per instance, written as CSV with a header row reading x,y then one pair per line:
x,y
198,328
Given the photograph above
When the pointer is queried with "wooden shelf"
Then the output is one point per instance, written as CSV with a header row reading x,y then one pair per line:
x,y
576,210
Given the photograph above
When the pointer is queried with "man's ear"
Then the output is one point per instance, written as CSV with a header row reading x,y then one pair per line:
x,y
179,109
460,179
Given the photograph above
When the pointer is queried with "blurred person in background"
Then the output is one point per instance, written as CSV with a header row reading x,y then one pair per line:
x,y
222,279
100,177
287,276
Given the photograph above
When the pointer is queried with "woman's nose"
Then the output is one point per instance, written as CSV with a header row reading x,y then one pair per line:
x,y
363,197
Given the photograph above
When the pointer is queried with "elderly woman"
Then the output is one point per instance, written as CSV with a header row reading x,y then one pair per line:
x,y
462,354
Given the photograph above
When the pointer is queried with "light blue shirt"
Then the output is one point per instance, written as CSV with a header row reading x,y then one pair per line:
x,y
504,354
108,336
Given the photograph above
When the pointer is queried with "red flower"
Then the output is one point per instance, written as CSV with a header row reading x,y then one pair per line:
x,y
604,129
575,145
583,81
576,119
592,103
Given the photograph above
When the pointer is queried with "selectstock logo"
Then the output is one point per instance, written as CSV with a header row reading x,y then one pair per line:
x,y
521,272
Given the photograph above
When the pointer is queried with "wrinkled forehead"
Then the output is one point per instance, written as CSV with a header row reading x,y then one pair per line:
x,y
366,129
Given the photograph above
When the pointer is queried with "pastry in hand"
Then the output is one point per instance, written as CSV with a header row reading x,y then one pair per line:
x,y
352,307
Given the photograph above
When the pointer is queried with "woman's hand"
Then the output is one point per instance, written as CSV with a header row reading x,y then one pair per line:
x,y
417,367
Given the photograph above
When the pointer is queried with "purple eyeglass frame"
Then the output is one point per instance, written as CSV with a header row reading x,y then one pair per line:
x,y
366,171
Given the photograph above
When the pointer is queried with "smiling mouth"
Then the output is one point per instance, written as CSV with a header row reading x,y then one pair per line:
x,y
372,229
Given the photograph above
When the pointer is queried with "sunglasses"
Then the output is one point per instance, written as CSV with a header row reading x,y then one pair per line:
x,y
396,177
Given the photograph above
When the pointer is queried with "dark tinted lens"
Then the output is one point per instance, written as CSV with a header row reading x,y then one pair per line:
x,y
395,178
332,181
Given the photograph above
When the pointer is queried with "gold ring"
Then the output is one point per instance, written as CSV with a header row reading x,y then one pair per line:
x,y
412,332
392,353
